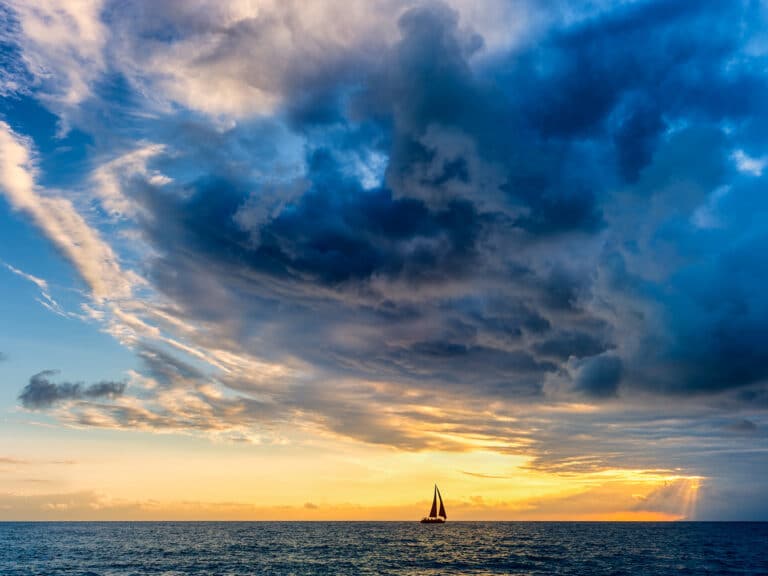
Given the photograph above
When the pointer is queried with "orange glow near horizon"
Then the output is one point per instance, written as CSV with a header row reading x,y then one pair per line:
x,y
188,479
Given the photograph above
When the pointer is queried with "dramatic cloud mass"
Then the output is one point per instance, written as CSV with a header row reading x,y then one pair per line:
x,y
527,228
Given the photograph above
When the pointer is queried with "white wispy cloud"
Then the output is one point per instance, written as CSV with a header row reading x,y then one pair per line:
x,y
749,164
46,300
59,220
108,178
62,46
707,215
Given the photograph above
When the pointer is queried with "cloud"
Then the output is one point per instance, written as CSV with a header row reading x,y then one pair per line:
x,y
742,426
61,48
5,461
599,376
233,62
41,393
39,282
240,60
488,476
46,300
491,257
108,178
387,221
745,163
359,257
58,219
9,461
255,58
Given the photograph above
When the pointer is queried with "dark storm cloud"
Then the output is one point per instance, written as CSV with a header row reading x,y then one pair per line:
x,y
649,59
333,234
722,331
599,377
332,255
564,345
475,261
41,393
456,133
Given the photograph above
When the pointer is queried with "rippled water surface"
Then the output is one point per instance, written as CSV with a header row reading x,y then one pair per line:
x,y
224,548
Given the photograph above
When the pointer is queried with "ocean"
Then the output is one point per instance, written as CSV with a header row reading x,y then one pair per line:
x,y
245,548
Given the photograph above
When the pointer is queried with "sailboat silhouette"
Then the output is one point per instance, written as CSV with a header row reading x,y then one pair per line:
x,y
435,517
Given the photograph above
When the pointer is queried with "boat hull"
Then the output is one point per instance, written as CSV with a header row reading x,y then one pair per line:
x,y
437,520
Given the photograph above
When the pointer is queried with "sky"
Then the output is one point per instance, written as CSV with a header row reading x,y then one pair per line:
x,y
271,259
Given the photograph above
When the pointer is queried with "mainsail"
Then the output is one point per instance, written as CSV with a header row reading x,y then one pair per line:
x,y
433,511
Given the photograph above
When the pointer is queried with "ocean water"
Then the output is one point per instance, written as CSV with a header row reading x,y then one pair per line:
x,y
242,548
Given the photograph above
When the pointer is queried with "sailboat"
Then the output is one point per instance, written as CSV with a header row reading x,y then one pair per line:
x,y
435,517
